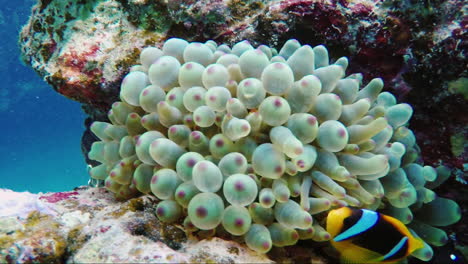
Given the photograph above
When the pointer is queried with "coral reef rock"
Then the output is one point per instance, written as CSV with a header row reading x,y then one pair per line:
x,y
84,50
88,225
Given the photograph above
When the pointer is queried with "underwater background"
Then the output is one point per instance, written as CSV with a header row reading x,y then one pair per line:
x,y
41,129
84,48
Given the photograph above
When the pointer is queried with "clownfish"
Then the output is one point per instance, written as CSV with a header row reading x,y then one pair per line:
x,y
364,236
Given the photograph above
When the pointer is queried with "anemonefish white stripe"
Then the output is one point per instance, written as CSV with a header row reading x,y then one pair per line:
x,y
367,220
396,248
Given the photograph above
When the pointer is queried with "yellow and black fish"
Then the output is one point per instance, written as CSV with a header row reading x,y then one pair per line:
x,y
364,236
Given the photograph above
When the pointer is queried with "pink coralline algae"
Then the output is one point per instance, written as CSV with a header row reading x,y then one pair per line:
x,y
57,197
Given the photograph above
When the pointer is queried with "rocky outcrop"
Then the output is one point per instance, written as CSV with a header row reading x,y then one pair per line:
x,y
88,225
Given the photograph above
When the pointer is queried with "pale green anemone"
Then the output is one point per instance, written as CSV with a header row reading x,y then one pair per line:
x,y
259,142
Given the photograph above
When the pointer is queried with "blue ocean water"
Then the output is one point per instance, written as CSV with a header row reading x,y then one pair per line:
x,y
40,129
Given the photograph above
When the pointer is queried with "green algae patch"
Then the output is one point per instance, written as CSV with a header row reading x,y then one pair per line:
x,y
40,233
241,8
151,16
204,257
459,86
458,143
133,205
36,220
75,240
136,204
6,241
128,61
233,250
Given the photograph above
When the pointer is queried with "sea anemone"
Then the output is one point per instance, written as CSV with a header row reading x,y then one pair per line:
x,y
264,143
